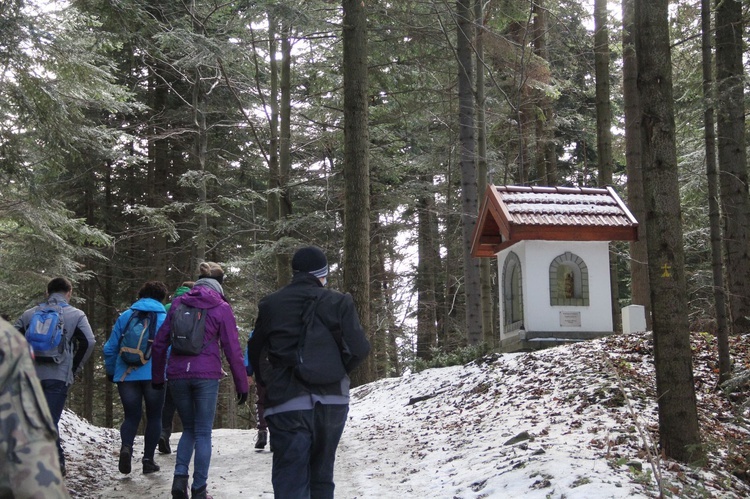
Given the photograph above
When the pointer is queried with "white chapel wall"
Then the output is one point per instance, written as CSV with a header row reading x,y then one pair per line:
x,y
539,315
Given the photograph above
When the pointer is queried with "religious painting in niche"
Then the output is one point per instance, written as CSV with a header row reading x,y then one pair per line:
x,y
512,295
569,281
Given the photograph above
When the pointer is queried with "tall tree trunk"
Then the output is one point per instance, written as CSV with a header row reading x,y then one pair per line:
x,y
546,155
427,272
485,264
356,168
283,259
90,292
159,168
200,151
274,183
604,134
733,178
469,208
678,415
108,291
640,287
714,215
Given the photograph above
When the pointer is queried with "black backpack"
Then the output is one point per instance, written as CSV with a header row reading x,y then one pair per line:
x,y
188,328
319,351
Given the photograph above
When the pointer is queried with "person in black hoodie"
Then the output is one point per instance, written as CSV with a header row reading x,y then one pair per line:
x,y
306,420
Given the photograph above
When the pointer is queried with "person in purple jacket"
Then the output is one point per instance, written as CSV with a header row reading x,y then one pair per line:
x,y
194,379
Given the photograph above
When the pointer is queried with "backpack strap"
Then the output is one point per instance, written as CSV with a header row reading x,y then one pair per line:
x,y
129,370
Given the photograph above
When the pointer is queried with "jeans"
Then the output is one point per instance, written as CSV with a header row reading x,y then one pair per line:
x,y
132,394
304,451
56,392
196,404
167,414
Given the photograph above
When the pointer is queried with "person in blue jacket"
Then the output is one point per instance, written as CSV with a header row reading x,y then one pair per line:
x,y
134,382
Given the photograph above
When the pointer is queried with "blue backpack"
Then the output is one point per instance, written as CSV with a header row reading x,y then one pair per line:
x,y
46,333
137,338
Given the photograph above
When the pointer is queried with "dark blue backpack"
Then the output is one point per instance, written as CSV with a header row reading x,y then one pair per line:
x,y
46,333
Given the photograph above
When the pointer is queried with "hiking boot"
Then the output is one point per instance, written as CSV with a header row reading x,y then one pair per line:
x,y
262,439
180,487
125,455
149,466
164,447
200,493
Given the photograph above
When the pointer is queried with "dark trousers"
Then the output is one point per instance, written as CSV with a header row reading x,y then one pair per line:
x,y
167,414
304,451
260,407
133,394
56,392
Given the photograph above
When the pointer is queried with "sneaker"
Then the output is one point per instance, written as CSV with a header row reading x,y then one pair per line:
x,y
125,455
164,447
180,487
149,466
262,439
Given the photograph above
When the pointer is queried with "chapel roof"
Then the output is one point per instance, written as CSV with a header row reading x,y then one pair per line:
x,y
510,214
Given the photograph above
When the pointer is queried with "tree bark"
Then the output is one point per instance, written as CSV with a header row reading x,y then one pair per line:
x,y
733,177
356,169
283,259
485,264
678,417
640,287
546,154
427,272
274,182
714,215
469,208
604,133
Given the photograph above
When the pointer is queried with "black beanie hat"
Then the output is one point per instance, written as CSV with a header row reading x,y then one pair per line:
x,y
310,259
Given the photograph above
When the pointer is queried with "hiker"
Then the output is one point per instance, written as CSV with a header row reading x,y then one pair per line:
x,y
57,368
167,412
29,466
130,367
199,325
263,438
306,419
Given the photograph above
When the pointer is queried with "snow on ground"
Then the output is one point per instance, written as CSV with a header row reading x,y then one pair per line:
x,y
567,422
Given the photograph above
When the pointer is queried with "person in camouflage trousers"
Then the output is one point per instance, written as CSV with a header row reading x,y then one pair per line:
x,y
29,466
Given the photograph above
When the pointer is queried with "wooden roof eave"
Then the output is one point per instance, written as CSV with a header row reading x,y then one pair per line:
x,y
483,242
574,233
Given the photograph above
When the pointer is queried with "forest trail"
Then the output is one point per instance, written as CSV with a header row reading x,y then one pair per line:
x,y
237,470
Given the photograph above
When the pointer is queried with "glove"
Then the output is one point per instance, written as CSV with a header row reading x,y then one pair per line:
x,y
241,398
157,386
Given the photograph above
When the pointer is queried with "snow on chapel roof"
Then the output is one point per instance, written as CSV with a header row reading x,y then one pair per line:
x,y
510,214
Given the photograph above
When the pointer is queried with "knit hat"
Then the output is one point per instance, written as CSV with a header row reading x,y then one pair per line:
x,y
310,259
